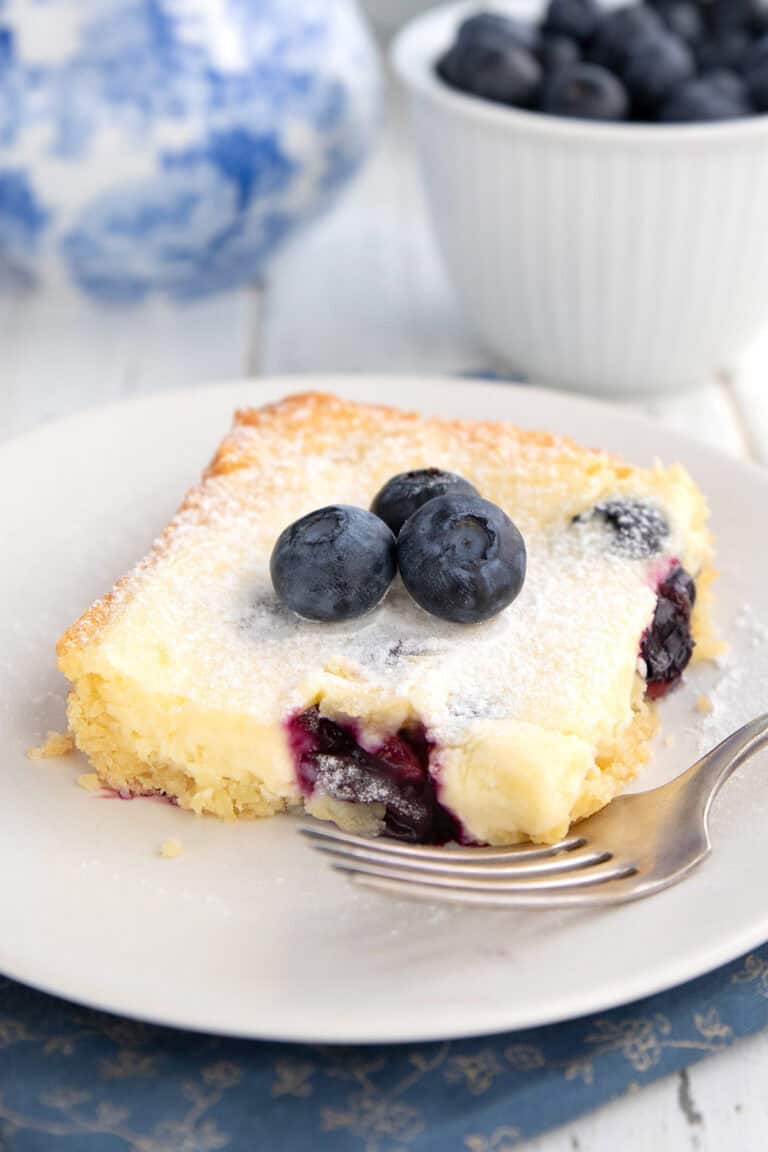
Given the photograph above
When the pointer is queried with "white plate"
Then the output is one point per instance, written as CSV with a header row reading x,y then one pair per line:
x,y
249,933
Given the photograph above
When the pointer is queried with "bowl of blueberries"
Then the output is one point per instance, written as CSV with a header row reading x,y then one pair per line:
x,y
598,180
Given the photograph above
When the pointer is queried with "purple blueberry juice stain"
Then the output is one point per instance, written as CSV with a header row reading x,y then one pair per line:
x,y
123,794
328,755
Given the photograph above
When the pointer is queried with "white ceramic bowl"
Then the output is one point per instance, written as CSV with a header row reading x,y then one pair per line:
x,y
390,14
613,258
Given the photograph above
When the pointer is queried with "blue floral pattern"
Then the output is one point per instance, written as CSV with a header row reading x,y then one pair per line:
x,y
73,1079
174,145
22,221
191,230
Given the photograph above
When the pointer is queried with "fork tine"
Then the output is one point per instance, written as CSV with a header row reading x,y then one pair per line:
x,y
427,852
584,898
497,866
555,884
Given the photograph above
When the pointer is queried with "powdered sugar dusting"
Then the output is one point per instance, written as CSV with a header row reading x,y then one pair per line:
x,y
202,622
740,693
635,529
344,781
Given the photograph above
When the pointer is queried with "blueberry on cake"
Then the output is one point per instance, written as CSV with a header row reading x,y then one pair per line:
x,y
430,629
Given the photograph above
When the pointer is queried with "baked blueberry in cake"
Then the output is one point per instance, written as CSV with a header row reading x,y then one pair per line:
x,y
404,697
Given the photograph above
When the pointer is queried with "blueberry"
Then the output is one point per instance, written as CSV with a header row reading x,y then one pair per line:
x,y
558,52
702,100
404,493
728,49
683,18
727,82
619,33
667,645
680,587
725,15
756,73
656,68
461,558
576,19
449,67
334,564
396,775
505,72
587,92
639,529
494,28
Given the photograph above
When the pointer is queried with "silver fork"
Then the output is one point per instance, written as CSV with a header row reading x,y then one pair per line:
x,y
636,846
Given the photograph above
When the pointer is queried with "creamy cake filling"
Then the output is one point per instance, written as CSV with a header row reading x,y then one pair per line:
x,y
401,773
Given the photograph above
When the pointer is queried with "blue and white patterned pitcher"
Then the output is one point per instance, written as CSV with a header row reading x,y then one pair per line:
x,y
173,145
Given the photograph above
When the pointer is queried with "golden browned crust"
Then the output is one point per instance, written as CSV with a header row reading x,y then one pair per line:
x,y
324,419
56,744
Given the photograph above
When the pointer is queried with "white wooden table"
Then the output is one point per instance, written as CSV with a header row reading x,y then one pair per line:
x,y
364,292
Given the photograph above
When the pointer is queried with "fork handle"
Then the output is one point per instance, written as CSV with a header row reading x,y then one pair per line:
x,y
707,776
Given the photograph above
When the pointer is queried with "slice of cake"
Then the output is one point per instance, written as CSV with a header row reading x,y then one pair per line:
x,y
193,680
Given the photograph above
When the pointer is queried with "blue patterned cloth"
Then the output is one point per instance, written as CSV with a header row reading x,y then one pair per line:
x,y
73,1080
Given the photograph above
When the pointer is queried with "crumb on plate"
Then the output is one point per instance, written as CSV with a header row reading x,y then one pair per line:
x,y
704,705
170,849
56,744
89,781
